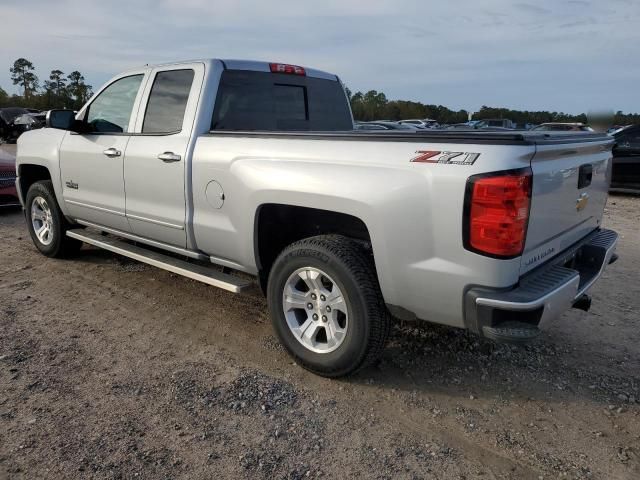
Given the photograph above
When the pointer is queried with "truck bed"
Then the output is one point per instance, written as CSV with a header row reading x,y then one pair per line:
x,y
517,137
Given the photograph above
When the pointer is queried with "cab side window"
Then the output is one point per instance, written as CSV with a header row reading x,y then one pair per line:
x,y
111,111
168,101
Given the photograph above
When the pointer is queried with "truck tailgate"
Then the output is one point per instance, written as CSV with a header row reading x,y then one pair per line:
x,y
570,185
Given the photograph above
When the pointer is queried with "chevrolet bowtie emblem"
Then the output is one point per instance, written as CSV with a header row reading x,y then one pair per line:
x,y
582,201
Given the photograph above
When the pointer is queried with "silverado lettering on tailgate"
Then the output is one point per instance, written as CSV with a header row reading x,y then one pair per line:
x,y
539,256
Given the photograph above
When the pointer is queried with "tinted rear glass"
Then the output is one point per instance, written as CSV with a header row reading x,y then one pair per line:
x,y
266,101
167,101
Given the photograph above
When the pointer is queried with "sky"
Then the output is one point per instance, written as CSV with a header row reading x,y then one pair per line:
x,y
559,55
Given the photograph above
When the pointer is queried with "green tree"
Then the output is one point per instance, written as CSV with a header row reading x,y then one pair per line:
x,y
78,90
22,73
368,106
56,83
55,91
4,97
621,118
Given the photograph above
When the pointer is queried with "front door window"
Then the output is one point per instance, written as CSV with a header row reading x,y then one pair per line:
x,y
111,111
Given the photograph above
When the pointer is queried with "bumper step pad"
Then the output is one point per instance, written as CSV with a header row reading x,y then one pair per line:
x,y
512,332
515,315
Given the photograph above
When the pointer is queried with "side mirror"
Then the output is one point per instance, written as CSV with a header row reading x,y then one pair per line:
x,y
61,119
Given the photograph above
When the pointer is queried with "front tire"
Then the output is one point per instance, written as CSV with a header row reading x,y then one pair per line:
x,y
46,223
326,305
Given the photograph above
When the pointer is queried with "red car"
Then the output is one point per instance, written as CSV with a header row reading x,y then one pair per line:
x,y
8,193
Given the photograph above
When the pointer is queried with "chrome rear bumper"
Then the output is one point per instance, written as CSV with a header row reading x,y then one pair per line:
x,y
543,294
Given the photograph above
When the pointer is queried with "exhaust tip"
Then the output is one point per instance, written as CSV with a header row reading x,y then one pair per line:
x,y
583,303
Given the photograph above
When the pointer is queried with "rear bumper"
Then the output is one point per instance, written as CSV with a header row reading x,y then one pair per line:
x,y
541,295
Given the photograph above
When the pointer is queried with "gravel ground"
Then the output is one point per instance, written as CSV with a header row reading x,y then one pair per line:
x,y
112,369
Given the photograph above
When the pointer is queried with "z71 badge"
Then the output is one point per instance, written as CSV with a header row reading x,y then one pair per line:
x,y
449,158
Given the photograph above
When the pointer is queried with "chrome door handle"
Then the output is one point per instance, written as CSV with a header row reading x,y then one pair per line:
x,y
112,152
168,157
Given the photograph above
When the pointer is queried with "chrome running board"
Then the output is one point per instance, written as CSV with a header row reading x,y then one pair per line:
x,y
190,270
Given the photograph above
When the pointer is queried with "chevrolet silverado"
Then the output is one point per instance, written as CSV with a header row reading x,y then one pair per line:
x,y
227,171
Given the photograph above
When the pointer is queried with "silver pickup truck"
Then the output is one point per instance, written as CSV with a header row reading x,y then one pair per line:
x,y
226,170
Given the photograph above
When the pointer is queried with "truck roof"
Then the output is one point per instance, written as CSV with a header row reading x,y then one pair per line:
x,y
252,65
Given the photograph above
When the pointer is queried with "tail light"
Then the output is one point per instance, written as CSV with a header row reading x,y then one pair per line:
x,y
284,68
496,213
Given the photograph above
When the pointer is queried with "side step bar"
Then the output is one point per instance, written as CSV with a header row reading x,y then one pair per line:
x,y
194,271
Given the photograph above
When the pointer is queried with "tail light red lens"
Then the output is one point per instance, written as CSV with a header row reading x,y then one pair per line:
x,y
284,68
497,213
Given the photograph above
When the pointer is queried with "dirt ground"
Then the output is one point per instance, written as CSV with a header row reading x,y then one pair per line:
x,y
112,369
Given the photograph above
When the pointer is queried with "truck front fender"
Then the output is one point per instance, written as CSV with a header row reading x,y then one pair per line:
x,y
40,148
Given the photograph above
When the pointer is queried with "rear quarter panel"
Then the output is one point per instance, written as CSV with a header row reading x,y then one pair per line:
x,y
413,211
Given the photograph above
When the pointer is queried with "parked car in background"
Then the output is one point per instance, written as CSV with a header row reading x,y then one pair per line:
x,y
625,175
460,126
496,123
8,194
562,127
424,123
29,121
8,131
385,126
476,125
367,126
616,128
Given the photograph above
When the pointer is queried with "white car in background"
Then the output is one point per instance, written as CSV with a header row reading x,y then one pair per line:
x,y
562,127
386,126
424,123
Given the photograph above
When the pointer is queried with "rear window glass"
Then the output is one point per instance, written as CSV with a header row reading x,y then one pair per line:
x,y
266,101
168,101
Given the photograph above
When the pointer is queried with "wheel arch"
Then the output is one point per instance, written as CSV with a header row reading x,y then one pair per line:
x,y
277,225
28,174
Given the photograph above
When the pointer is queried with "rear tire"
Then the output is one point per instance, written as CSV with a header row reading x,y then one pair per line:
x,y
320,272
46,223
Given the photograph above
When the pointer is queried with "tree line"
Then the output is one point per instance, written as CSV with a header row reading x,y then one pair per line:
x,y
374,105
71,91
59,91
